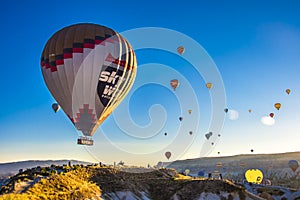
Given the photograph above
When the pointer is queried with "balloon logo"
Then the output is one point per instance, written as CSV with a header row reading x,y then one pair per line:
x,y
168,155
88,69
55,107
254,176
209,85
180,50
288,91
277,105
174,84
271,115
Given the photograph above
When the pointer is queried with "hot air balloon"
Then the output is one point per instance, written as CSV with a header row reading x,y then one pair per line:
x,y
271,115
88,69
209,85
55,107
174,84
180,50
191,132
288,91
208,135
212,144
168,154
218,152
249,110
187,171
166,134
254,176
180,118
293,164
190,111
226,110
277,105
219,165
242,164
251,150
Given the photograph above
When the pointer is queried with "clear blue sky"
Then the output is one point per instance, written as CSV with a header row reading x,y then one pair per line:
x,y
254,44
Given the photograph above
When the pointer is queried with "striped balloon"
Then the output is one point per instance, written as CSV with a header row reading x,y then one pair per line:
x,y
88,69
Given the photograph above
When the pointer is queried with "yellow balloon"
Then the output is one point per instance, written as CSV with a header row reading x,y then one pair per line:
x,y
208,85
277,105
254,176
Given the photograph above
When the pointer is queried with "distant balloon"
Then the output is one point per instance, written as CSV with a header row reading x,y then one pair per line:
x,y
277,105
180,50
212,143
218,152
288,91
219,135
180,118
226,110
187,171
252,150
219,165
254,176
242,164
293,164
190,111
201,173
166,133
208,135
268,120
249,110
55,107
174,84
168,155
209,85
191,132
271,115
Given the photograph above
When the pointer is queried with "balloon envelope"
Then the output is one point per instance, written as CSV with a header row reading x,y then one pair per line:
x,y
180,50
277,105
254,176
88,69
55,107
293,164
168,154
174,84
209,85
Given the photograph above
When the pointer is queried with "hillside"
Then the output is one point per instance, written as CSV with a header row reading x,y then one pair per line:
x,y
12,168
95,182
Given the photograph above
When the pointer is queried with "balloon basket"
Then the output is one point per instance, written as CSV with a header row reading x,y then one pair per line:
x,y
85,141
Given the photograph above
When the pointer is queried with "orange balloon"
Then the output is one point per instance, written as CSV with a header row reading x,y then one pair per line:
x,y
288,91
277,105
208,85
174,84
180,50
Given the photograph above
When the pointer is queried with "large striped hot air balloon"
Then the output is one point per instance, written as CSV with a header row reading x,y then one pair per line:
x,y
88,69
